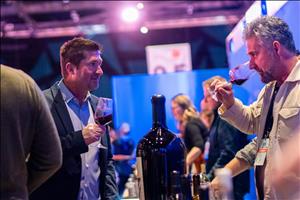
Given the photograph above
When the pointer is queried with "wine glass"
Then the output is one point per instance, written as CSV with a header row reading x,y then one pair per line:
x,y
103,114
238,75
241,73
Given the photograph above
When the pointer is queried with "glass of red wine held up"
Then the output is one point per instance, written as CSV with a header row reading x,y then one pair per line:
x,y
238,75
103,114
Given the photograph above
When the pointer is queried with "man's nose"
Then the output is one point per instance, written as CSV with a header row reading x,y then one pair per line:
x,y
252,64
99,70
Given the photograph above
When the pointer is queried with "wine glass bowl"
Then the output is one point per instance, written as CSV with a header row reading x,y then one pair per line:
x,y
241,73
103,114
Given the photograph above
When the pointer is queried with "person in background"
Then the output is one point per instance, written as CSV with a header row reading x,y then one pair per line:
x,y
224,142
87,172
123,154
207,117
30,147
276,112
206,114
193,131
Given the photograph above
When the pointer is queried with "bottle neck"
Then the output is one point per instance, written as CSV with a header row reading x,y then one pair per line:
x,y
159,120
158,112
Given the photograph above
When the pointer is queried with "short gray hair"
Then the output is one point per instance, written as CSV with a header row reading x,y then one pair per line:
x,y
268,29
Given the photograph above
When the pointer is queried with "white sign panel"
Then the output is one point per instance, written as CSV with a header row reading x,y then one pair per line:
x,y
169,58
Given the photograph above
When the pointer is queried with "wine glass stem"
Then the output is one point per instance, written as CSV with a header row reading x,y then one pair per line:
x,y
101,146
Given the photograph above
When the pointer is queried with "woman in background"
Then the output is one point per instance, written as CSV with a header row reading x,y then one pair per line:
x,y
192,129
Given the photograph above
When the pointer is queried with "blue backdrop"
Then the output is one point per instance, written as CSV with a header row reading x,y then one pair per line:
x,y
132,96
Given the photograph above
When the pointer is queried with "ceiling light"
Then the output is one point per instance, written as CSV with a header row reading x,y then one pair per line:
x,y
144,29
130,14
140,6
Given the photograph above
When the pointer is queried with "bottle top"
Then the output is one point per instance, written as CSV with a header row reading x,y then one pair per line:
x,y
158,110
158,98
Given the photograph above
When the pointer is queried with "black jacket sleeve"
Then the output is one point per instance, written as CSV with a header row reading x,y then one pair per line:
x,y
195,135
228,141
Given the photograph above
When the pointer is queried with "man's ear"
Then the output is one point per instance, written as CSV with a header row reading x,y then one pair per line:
x,y
277,47
70,68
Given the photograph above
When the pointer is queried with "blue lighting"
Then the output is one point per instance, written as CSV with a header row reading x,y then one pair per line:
x,y
264,8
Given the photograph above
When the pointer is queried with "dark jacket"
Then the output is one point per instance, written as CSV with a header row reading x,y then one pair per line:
x,y
66,182
27,128
195,134
225,141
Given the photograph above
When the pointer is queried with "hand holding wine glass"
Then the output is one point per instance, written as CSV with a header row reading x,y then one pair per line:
x,y
222,90
103,114
92,132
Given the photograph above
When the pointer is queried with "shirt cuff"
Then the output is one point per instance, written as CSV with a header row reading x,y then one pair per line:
x,y
235,108
242,156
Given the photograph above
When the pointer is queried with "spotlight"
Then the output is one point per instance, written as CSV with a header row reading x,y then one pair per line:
x,y
140,6
130,14
144,29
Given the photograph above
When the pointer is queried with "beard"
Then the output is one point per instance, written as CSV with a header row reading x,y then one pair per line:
x,y
93,84
268,75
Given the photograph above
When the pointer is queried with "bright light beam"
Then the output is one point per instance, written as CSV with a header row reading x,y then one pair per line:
x,y
130,14
140,6
144,29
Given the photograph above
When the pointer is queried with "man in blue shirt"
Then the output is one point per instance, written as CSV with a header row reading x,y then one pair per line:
x,y
87,171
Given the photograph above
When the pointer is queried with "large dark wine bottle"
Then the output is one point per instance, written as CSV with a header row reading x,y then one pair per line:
x,y
158,154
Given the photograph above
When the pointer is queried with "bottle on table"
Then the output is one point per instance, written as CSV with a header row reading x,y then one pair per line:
x,y
159,153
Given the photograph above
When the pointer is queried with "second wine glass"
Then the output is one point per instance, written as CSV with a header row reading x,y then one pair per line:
x,y
103,114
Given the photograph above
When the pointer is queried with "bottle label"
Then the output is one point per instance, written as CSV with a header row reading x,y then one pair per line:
x,y
139,167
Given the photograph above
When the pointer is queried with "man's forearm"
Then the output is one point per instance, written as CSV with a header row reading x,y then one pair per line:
x,y
237,166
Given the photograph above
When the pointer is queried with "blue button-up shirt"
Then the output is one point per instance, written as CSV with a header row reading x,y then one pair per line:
x,y
81,115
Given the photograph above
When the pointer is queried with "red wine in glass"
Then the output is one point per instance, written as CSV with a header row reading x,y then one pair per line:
x,y
103,114
238,81
240,74
104,120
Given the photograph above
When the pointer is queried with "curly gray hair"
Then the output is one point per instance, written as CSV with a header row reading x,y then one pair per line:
x,y
268,29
